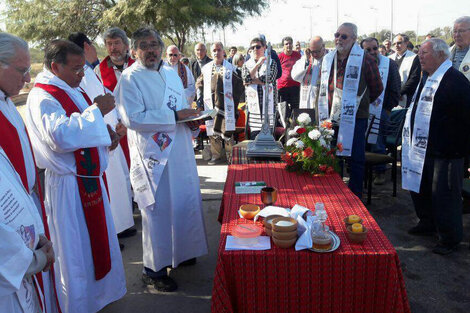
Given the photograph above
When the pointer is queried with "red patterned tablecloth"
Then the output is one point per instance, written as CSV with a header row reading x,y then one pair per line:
x,y
354,278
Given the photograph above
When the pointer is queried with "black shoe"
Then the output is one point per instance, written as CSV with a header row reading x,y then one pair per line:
x,y
422,230
127,233
147,279
188,262
165,284
121,246
444,249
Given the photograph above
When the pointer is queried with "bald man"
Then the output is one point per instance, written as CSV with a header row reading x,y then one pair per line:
x,y
306,71
173,60
201,59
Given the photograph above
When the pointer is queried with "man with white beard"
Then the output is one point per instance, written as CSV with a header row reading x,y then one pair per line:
x,y
70,140
150,98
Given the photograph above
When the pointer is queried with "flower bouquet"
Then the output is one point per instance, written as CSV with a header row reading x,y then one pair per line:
x,y
309,148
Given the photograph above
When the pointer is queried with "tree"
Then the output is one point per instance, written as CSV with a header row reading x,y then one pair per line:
x,y
43,20
177,19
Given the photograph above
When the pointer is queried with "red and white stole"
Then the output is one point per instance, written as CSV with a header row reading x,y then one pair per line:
x,y
11,145
89,186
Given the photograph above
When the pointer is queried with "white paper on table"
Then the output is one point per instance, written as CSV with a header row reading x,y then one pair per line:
x,y
304,230
272,210
264,243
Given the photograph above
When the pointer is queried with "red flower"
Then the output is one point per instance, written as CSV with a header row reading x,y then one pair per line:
x,y
322,168
332,156
295,154
340,146
327,124
308,152
288,159
330,170
301,130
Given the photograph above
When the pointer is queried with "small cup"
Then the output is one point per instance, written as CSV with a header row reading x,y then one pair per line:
x,y
357,237
268,195
347,223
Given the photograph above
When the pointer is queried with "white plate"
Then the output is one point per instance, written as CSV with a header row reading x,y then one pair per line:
x,y
334,246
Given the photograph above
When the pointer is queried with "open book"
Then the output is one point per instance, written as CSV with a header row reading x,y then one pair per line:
x,y
204,115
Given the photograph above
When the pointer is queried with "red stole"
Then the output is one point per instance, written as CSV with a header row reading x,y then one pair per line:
x,y
108,77
91,195
182,74
11,144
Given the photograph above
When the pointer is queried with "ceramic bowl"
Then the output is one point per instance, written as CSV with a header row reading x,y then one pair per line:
x,y
357,237
347,223
249,211
284,243
284,224
268,219
285,235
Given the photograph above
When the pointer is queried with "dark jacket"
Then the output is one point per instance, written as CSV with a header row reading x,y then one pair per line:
x,y
392,91
450,117
409,87
196,69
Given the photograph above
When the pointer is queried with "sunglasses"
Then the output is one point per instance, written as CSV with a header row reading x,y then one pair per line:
x,y
343,36
257,47
173,54
370,49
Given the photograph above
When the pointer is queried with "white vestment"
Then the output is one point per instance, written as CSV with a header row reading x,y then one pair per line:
x,y
308,85
404,70
190,90
55,137
20,227
117,172
7,107
173,227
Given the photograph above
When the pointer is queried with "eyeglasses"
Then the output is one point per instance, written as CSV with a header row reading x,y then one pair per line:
x,y
460,31
343,36
173,54
257,47
82,70
146,46
23,72
373,48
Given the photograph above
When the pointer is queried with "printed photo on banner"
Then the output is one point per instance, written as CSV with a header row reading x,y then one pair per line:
x,y
162,140
27,234
353,72
421,138
171,102
427,94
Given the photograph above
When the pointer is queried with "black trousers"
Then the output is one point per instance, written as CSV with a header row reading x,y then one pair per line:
x,y
291,95
439,202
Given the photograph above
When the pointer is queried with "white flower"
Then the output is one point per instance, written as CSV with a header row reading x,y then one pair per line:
x,y
291,141
299,144
314,134
304,119
292,133
330,132
323,143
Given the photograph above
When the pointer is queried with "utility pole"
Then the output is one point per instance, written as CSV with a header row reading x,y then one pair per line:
x,y
391,20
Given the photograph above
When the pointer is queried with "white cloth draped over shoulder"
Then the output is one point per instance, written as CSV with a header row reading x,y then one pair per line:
x,y
464,67
54,137
189,91
173,226
308,80
20,227
404,70
117,172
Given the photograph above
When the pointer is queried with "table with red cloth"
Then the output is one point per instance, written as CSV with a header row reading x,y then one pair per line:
x,y
239,156
355,278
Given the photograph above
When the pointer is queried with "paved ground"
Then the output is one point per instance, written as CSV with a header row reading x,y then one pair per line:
x,y
434,283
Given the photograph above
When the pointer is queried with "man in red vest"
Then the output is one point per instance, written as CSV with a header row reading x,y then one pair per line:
x,y
71,141
110,69
15,66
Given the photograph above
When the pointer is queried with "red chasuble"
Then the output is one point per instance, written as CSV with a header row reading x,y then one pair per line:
x,y
89,187
11,145
108,77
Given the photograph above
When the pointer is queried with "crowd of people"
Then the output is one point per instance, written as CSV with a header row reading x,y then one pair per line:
x,y
121,130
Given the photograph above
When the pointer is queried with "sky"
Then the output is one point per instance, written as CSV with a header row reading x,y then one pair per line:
x,y
292,18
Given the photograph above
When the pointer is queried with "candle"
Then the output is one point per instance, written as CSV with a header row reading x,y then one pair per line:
x,y
354,219
356,228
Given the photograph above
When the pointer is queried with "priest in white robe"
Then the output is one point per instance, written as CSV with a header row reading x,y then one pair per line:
x,y
71,141
24,251
173,60
150,98
117,172
14,73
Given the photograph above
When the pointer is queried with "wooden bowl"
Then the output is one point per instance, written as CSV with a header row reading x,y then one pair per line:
x,y
357,237
268,219
268,231
292,224
284,243
249,211
285,235
347,223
